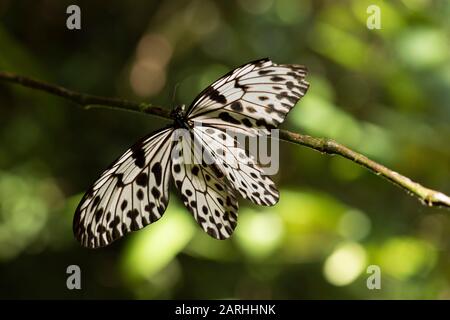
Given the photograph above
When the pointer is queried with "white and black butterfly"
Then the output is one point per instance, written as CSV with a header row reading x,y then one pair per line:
x,y
134,191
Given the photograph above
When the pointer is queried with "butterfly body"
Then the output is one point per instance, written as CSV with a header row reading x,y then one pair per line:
x,y
179,118
207,165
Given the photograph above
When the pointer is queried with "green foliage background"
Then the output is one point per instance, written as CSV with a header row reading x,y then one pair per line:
x,y
385,93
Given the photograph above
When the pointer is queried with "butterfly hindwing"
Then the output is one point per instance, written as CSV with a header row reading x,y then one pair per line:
x,y
132,193
240,168
204,189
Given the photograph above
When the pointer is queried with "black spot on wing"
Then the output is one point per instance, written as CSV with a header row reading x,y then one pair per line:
x,y
217,172
214,95
119,177
140,194
101,229
195,170
277,78
251,109
157,171
98,214
156,193
138,154
262,123
236,106
124,205
225,116
133,214
285,95
114,223
240,86
264,72
96,201
211,232
246,122
142,179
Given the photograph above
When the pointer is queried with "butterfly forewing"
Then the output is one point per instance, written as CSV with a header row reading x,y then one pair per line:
x,y
252,99
131,194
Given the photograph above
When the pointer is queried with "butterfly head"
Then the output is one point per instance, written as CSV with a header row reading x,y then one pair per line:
x,y
177,115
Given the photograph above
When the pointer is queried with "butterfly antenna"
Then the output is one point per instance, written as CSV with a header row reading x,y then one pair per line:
x,y
175,92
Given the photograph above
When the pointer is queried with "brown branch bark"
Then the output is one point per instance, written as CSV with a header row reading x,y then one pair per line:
x,y
425,195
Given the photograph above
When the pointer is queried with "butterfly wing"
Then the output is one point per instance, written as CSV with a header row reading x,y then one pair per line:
x,y
132,193
203,188
240,169
252,99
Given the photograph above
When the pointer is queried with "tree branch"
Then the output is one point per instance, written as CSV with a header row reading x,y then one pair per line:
x,y
425,195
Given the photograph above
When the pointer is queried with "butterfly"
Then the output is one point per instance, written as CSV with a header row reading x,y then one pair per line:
x,y
133,192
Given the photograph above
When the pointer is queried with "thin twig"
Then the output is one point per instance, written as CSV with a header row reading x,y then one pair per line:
x,y
86,100
426,196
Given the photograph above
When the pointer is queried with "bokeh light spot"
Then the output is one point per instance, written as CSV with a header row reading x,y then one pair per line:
x,y
147,78
259,233
345,264
151,249
154,48
404,257
423,48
